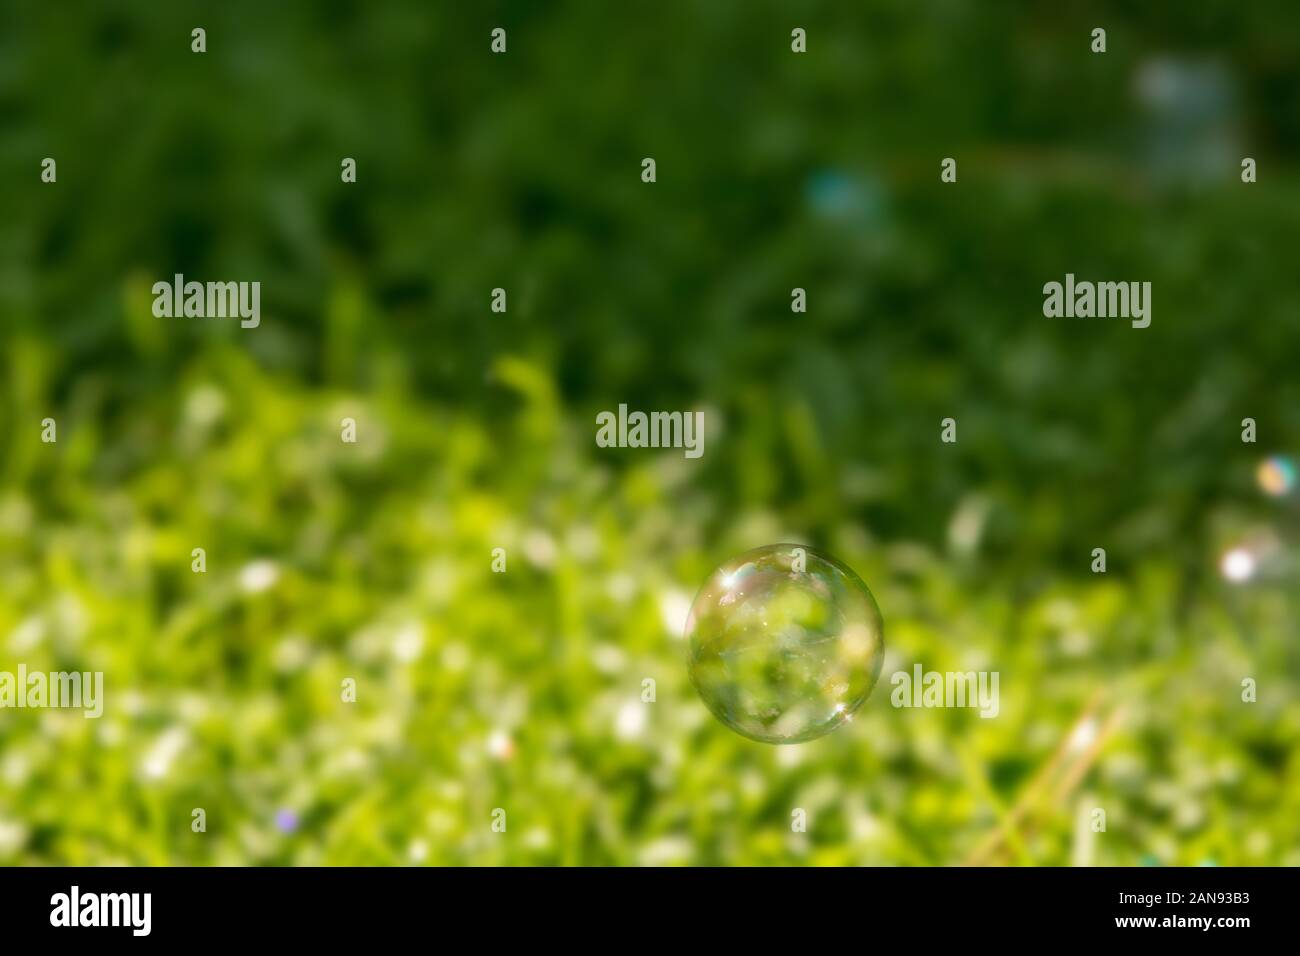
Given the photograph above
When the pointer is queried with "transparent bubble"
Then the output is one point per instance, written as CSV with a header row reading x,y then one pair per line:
x,y
785,643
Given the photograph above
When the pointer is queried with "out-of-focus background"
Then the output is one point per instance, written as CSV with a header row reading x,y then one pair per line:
x,y
523,690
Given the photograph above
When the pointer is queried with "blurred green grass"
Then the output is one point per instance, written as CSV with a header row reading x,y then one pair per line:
x,y
523,690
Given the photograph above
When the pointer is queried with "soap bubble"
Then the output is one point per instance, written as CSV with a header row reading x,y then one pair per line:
x,y
785,643
1276,475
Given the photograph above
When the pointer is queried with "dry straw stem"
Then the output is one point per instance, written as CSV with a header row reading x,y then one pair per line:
x,y
1055,780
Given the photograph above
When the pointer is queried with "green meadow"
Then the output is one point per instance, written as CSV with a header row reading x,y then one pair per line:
x,y
328,564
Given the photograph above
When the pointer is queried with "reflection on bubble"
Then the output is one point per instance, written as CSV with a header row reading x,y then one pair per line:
x,y
785,643
1238,565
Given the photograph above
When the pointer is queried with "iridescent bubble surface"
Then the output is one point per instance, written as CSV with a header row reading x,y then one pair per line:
x,y
785,643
